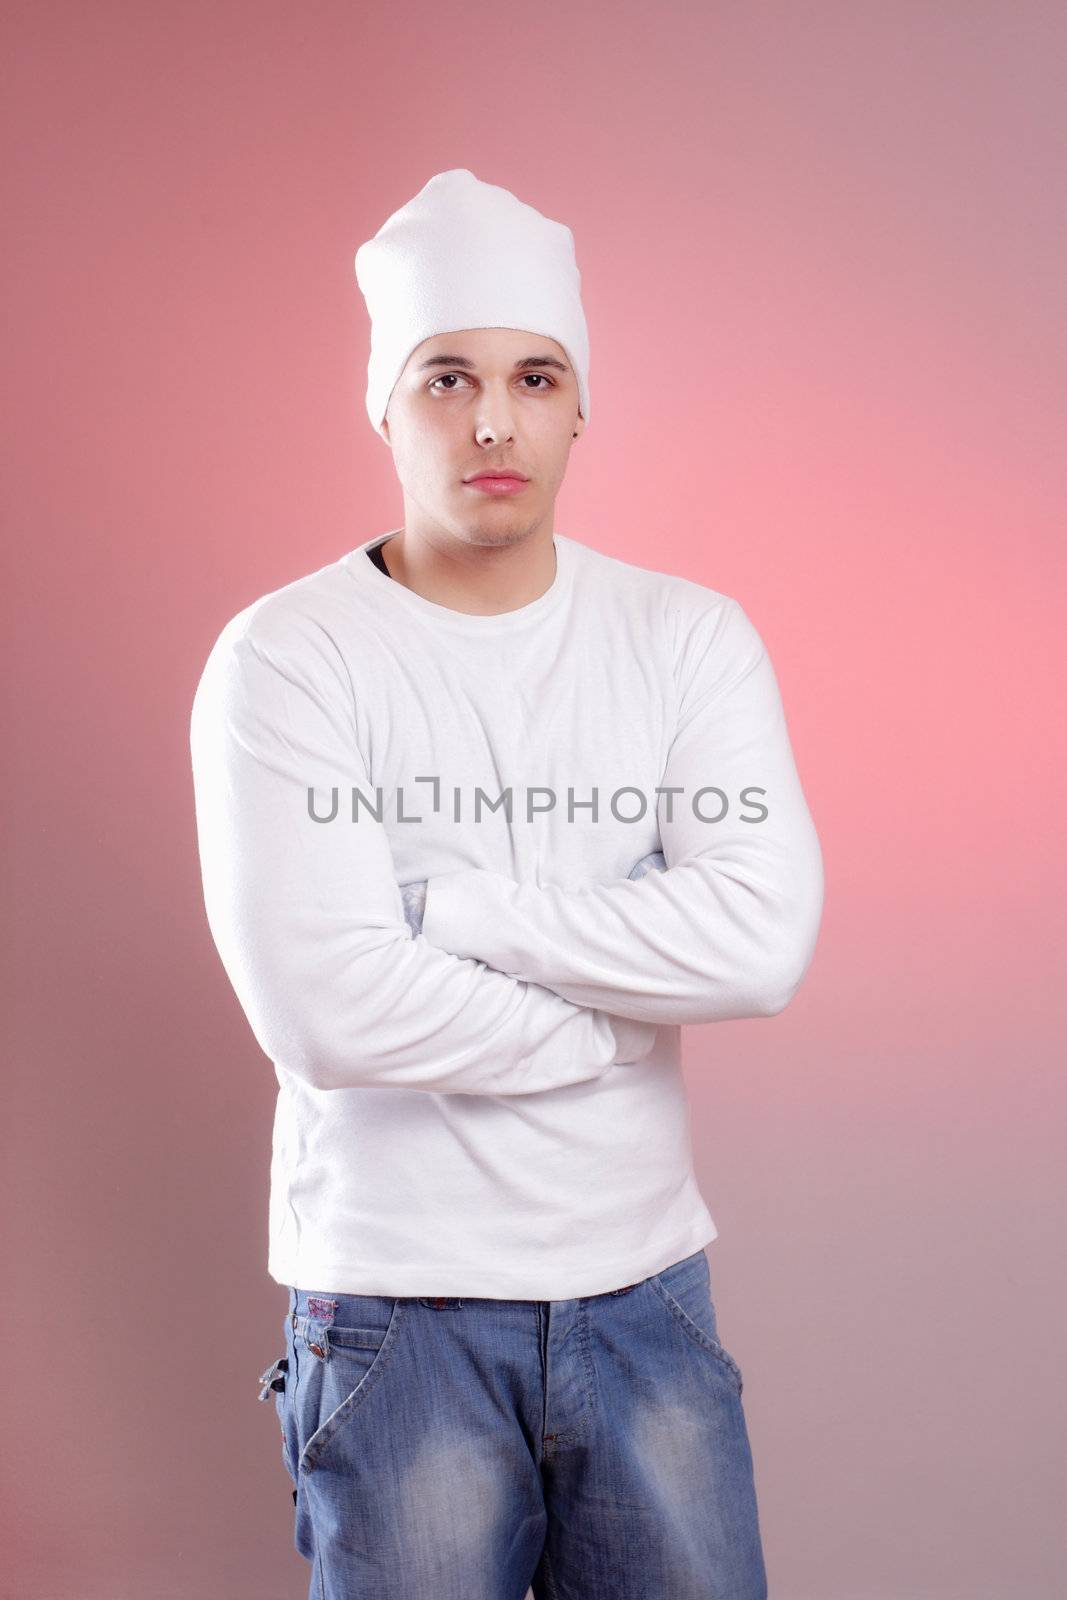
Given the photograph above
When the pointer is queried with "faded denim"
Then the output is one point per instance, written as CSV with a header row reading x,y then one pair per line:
x,y
470,1449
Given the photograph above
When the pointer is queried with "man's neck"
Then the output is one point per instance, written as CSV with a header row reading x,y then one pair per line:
x,y
478,580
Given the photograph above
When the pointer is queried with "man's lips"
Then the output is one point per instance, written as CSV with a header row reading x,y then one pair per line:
x,y
505,472
497,483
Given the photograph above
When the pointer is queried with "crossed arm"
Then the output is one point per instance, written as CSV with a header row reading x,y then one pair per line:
x,y
513,988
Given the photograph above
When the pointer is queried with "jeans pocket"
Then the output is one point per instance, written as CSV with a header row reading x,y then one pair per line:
x,y
340,1366
684,1290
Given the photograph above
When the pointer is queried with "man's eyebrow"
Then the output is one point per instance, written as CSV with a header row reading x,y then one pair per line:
x,y
462,361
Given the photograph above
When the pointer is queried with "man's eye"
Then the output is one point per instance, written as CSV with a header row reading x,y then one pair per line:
x,y
542,380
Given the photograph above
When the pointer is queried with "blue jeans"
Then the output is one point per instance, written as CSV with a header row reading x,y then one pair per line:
x,y
469,1449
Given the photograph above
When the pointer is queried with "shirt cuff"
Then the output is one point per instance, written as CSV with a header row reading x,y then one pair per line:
x,y
457,906
633,1039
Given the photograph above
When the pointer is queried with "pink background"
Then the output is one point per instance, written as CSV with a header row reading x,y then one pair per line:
x,y
822,249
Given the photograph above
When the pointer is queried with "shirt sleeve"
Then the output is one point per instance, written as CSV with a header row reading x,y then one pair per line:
x,y
729,929
307,915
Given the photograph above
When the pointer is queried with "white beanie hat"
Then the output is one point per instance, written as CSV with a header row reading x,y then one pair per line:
x,y
467,254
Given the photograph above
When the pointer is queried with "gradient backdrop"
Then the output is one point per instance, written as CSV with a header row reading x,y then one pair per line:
x,y
823,263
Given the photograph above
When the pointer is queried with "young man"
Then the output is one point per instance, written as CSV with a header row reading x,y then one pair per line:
x,y
431,779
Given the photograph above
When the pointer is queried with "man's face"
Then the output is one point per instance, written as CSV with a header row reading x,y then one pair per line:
x,y
469,401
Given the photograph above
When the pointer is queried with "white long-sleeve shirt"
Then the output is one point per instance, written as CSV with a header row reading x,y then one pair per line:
x,y
496,1107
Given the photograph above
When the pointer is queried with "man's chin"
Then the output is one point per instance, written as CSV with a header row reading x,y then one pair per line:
x,y
497,532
